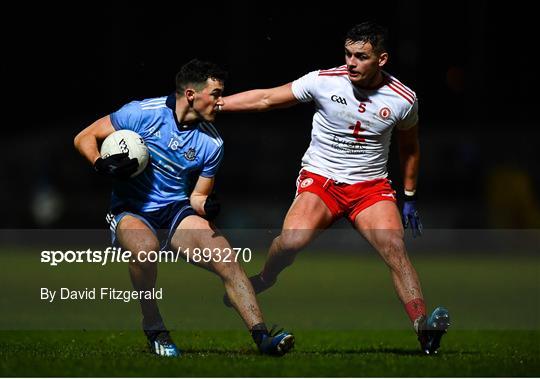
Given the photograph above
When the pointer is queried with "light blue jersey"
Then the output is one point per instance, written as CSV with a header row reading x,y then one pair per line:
x,y
179,154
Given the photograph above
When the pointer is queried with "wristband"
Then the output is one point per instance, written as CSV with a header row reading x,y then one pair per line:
x,y
410,193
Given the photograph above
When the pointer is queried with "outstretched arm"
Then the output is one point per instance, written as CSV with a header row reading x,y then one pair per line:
x,y
260,100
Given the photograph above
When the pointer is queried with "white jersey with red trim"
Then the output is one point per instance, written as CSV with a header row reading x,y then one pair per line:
x,y
352,127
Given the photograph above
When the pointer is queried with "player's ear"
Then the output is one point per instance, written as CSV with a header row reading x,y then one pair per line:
x,y
189,93
383,58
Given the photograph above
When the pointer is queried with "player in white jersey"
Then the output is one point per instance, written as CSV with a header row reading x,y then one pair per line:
x,y
344,169
173,195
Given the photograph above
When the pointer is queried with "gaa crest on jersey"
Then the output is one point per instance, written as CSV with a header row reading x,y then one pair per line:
x,y
306,183
338,99
384,113
190,154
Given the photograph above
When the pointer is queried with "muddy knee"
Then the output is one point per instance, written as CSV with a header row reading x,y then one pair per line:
x,y
394,253
292,241
145,256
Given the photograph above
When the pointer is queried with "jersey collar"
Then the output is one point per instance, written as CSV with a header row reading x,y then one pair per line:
x,y
171,103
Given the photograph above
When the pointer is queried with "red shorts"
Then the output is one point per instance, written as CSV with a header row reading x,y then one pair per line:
x,y
345,199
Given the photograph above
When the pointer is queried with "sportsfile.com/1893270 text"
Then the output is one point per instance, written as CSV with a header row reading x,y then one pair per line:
x,y
118,255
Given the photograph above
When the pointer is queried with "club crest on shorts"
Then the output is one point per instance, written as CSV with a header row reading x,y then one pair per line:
x,y
306,182
384,113
190,154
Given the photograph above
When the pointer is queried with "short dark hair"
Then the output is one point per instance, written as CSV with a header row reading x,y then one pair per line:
x,y
196,72
371,32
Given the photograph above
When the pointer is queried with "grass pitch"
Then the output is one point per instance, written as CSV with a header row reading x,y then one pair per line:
x,y
341,308
231,354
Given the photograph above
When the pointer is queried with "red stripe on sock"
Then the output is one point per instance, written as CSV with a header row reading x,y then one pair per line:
x,y
415,309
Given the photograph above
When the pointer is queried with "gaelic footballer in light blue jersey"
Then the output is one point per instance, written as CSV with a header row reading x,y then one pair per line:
x,y
174,194
179,154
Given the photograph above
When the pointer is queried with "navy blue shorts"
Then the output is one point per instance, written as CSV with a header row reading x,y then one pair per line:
x,y
162,222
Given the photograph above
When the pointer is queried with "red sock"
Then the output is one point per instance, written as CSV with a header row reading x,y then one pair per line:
x,y
415,309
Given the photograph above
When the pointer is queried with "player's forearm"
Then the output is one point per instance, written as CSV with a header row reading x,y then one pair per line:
x,y
87,145
260,100
197,202
410,163
87,141
249,101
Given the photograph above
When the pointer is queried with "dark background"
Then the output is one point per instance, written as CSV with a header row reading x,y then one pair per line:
x,y
470,64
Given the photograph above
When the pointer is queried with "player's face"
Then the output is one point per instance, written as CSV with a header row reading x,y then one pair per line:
x,y
208,99
363,63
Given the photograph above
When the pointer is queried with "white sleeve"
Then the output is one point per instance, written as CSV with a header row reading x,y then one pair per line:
x,y
411,117
304,88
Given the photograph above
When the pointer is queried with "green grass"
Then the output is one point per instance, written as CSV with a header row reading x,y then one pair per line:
x,y
220,353
341,307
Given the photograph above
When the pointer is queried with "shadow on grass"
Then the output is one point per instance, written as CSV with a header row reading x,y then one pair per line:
x,y
221,351
396,351
360,351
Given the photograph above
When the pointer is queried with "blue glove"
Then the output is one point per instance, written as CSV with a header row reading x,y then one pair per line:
x,y
411,216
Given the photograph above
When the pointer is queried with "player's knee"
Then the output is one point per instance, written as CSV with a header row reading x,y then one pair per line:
x,y
393,249
394,245
145,255
292,241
